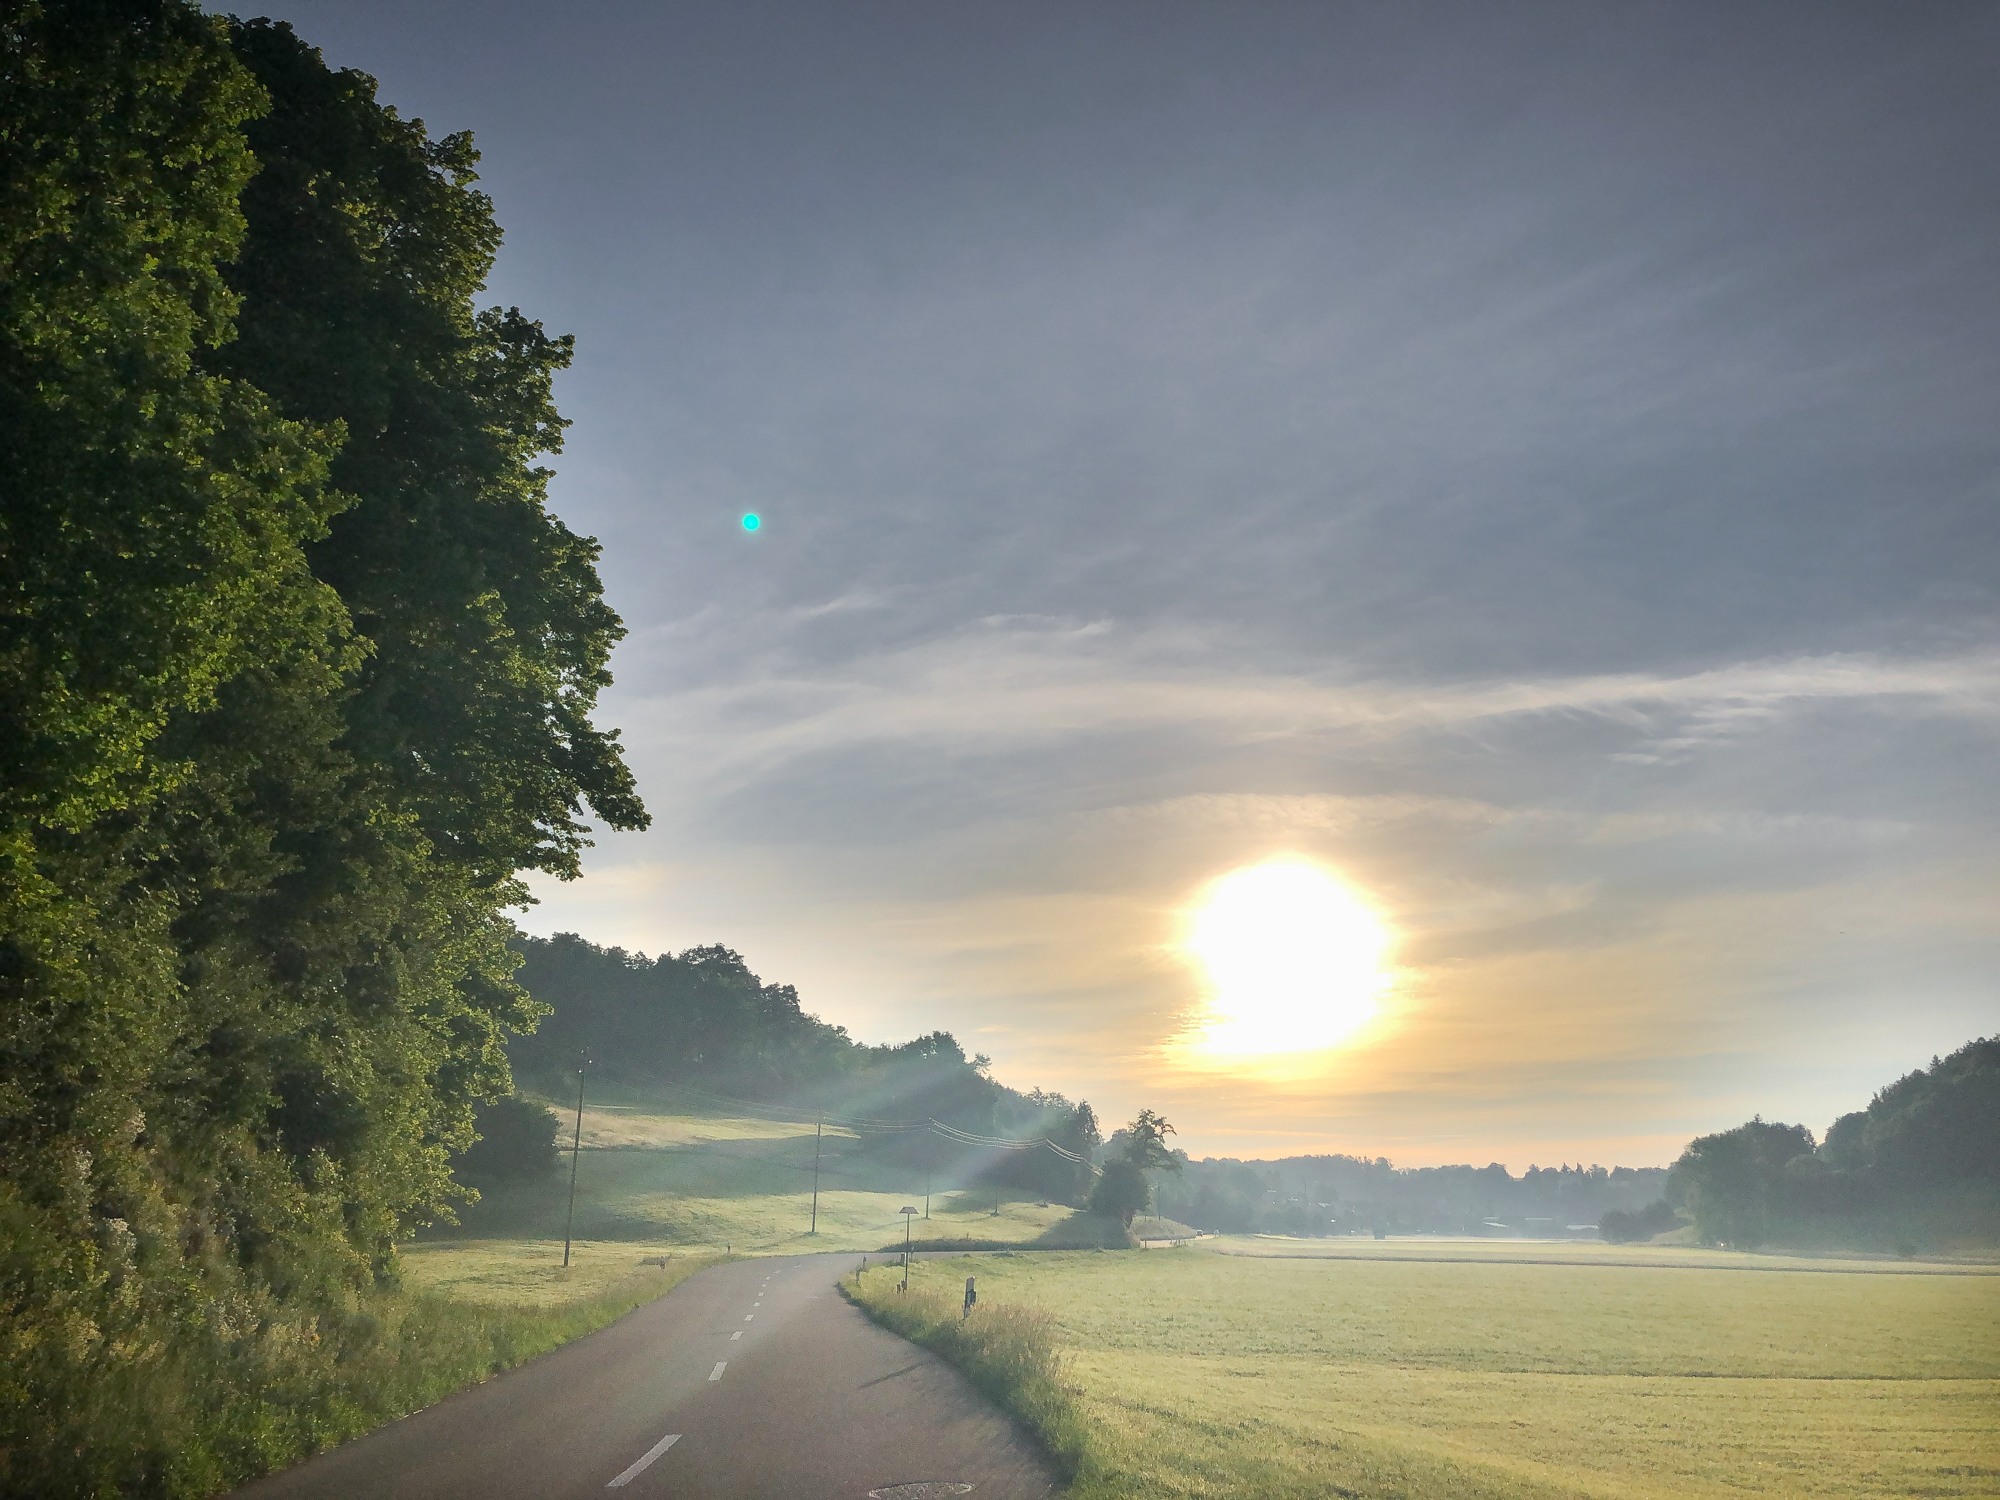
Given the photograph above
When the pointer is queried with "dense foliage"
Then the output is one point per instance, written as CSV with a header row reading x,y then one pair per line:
x,y
295,676
1122,1190
703,1018
1623,1227
699,1017
1938,1124
1919,1168
514,1141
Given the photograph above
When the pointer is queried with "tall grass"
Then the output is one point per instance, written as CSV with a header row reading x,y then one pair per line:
x,y
1011,1352
192,1405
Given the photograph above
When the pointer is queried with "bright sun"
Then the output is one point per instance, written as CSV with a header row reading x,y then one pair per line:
x,y
1295,961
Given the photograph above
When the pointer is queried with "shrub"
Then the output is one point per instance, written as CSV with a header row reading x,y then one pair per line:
x,y
516,1143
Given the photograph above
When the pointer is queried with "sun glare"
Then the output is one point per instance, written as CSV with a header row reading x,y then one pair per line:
x,y
1294,961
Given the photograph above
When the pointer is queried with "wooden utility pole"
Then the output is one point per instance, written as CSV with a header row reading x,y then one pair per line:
x,y
575,1149
817,1129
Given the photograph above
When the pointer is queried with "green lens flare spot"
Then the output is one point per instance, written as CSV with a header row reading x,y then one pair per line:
x,y
752,521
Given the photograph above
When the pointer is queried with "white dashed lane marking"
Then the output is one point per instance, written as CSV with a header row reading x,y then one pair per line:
x,y
651,1453
720,1366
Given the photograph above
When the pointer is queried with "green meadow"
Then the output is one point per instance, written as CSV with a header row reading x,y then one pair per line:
x,y
654,1181
1277,1369
1265,1367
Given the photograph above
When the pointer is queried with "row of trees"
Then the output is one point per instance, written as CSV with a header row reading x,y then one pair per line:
x,y
1338,1194
296,677
1919,1167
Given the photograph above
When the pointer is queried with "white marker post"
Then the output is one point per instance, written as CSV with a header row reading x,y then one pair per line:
x,y
971,1297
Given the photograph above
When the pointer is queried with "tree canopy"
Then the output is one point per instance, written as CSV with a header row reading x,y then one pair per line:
x,y
296,677
1121,1190
1921,1164
701,1017
1937,1124
1146,1143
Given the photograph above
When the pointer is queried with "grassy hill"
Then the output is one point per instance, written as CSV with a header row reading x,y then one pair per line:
x,y
657,1178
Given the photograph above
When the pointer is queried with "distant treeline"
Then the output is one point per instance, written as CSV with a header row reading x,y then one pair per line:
x,y
1918,1169
1323,1195
702,1018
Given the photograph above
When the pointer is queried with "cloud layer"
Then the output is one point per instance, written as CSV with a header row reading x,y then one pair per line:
x,y
1539,460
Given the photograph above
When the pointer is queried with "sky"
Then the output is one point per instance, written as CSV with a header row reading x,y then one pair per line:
x,y
1538,464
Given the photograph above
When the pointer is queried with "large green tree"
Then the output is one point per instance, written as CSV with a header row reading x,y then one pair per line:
x,y
296,675
486,628
1734,1183
1141,1147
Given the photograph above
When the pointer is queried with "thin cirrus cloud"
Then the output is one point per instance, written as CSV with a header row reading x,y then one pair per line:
x,y
1011,823
1024,681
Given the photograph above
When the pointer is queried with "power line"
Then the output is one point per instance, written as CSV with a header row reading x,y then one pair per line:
x,y
786,1114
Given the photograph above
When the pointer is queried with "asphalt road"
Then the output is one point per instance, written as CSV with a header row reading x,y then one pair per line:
x,y
749,1381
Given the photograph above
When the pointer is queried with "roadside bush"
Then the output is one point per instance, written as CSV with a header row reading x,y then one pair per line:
x,y
516,1143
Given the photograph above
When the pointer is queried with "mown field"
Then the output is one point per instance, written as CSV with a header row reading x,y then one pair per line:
x,y
1516,1371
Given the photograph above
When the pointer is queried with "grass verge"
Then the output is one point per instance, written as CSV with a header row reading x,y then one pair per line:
x,y
1011,1352
259,1386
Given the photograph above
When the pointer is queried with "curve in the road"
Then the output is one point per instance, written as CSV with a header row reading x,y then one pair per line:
x,y
753,1380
